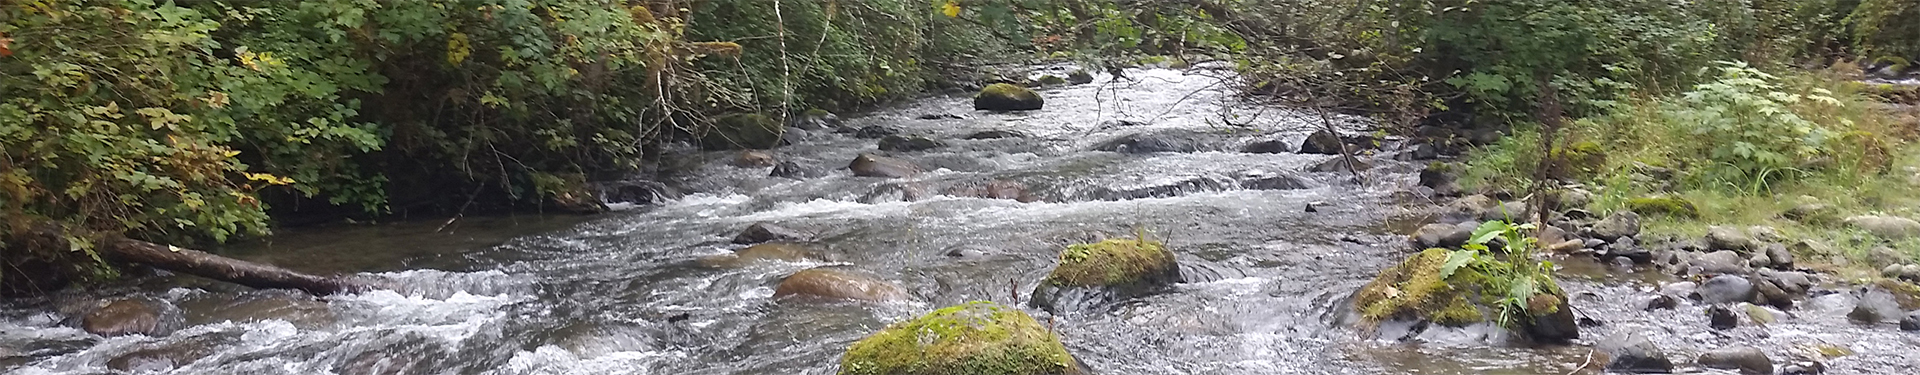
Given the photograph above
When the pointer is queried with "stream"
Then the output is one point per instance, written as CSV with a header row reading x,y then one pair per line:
x,y
638,291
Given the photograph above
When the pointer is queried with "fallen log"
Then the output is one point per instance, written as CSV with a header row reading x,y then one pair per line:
x,y
203,264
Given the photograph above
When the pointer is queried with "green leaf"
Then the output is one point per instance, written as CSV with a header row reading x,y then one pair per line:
x,y
1455,260
1489,230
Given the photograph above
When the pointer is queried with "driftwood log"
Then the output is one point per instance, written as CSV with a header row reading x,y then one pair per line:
x,y
203,264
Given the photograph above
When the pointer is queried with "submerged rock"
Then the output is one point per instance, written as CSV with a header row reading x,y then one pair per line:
x,y
995,134
1154,142
768,232
1632,353
870,165
754,159
1748,360
1095,274
1721,318
908,143
132,316
781,251
829,283
976,338
743,131
1006,97
1267,147
875,131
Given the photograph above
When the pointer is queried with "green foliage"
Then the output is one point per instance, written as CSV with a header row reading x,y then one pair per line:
x,y
1758,139
1886,28
1667,206
1446,285
1512,274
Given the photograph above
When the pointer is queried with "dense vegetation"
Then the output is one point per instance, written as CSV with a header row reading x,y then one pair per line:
x,y
187,121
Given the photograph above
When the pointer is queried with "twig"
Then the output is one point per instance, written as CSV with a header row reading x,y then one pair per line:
x,y
1345,153
1583,365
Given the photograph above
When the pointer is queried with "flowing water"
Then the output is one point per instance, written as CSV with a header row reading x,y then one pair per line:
x,y
639,291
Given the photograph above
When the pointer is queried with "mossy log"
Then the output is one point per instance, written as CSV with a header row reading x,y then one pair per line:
x,y
203,264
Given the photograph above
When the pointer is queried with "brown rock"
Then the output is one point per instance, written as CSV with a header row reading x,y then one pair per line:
x,y
870,165
754,159
127,317
828,283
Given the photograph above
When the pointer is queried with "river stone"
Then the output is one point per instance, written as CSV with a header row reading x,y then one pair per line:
x,y
789,169
1718,262
1780,256
1876,306
995,134
1771,293
1617,225
753,159
834,284
1662,302
1276,182
1721,318
1882,256
1097,274
1886,226
870,165
1632,353
1471,207
1571,246
1006,97
1725,289
1267,147
1749,360
132,316
1321,142
897,143
1154,142
1440,178
1729,238
762,232
1440,235
1079,77
1759,260
993,189
983,338
815,120
1911,322
1793,282
1759,314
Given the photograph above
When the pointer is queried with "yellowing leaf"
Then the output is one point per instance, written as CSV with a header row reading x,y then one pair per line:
x,y
951,9
458,48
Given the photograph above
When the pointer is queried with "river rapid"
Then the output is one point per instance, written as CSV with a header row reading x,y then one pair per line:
x,y
1269,265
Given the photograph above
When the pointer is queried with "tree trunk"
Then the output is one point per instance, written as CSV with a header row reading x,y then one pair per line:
x,y
199,263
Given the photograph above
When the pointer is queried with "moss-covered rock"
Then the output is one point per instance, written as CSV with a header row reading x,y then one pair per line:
x,y
1007,97
1669,206
743,131
976,338
1051,80
1418,290
1099,273
1577,161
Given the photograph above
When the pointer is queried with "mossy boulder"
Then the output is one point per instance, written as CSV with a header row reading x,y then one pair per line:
x,y
743,131
976,338
1096,274
1577,161
1007,97
1669,206
1418,291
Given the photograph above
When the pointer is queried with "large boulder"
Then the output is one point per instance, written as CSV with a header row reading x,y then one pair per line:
x,y
833,284
1725,289
1748,360
1095,274
1632,353
1886,226
1419,290
1876,306
1007,97
132,316
1730,238
742,131
976,338
1321,142
870,165
1617,225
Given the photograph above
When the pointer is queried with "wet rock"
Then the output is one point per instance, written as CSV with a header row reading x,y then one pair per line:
x,y
1593,243
815,120
1413,294
982,338
1079,77
1721,318
1619,224
1874,307
1771,293
788,169
1440,178
993,189
897,143
1759,260
1812,368
1339,164
1760,315
869,165
1155,142
968,252
753,159
1097,274
875,131
1281,181
897,191
132,316
1006,97
1662,302
1766,234
1162,190
1267,147
166,357
768,232
1515,211
1729,238
1725,289
1718,262
743,131
1911,322
1886,226
1471,207
1440,235
1779,256
301,309
1793,282
771,251
996,134
1632,353
635,191
835,284
1417,152
1748,360
1321,142
939,116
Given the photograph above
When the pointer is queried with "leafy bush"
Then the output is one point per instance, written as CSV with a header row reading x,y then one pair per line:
x,y
1757,136
1884,29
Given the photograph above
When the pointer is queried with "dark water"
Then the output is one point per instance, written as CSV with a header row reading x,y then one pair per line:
x,y
635,292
